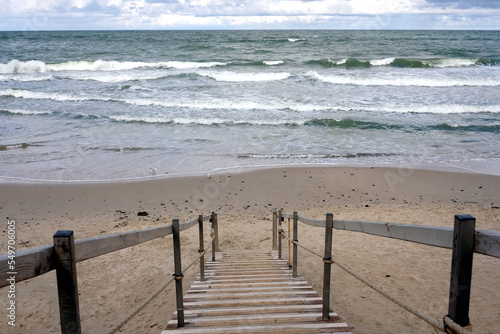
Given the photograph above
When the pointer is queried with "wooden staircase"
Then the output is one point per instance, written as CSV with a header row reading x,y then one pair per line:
x,y
253,293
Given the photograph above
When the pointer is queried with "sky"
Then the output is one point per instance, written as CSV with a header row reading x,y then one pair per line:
x,y
33,15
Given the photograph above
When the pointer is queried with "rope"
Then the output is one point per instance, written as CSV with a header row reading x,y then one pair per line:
x,y
305,248
454,326
431,321
154,294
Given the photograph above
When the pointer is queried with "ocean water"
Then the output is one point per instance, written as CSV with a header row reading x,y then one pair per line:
x,y
129,104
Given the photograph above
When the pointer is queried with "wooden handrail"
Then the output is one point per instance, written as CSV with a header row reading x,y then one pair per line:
x,y
486,242
40,260
463,239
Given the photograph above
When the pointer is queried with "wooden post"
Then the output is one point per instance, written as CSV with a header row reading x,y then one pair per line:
x,y
67,287
201,250
289,245
280,218
215,226
178,272
295,238
275,230
327,260
214,247
461,269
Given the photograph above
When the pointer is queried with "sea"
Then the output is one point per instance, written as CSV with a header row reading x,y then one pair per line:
x,y
114,105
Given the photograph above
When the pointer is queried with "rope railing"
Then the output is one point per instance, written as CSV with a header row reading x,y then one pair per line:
x,y
446,324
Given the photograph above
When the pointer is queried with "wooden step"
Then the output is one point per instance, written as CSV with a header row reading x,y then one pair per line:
x,y
253,294
318,327
252,310
270,318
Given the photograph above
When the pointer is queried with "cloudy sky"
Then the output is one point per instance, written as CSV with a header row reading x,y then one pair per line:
x,y
248,14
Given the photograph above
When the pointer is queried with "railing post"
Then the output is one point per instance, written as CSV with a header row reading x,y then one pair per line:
x,y
201,250
295,238
327,260
212,234
289,245
280,218
178,272
67,287
461,269
275,230
215,226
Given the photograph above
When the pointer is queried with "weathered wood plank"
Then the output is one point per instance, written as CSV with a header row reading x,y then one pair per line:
x,y
311,222
251,310
29,263
269,318
246,295
281,287
37,261
428,235
320,327
487,242
97,246
249,302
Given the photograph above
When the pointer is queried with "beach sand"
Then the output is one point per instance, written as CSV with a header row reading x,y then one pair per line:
x,y
112,285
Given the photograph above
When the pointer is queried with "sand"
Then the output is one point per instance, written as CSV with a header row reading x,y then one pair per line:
x,y
111,286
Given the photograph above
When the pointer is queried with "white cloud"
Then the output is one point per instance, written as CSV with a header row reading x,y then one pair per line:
x,y
336,14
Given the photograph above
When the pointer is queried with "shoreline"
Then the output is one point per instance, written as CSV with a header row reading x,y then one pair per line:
x,y
244,201
492,168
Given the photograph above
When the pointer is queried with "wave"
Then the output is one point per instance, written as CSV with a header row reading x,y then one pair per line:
x,y
193,104
351,123
26,78
495,128
201,121
246,76
401,81
27,94
365,125
14,146
222,104
37,66
24,112
313,155
118,78
273,62
404,62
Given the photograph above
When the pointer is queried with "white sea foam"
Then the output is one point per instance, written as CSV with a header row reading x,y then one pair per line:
x,y
36,66
27,112
16,66
245,76
187,64
26,78
273,62
401,81
119,78
450,109
222,104
451,62
27,94
381,62
202,121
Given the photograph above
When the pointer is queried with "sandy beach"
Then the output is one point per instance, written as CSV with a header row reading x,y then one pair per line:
x,y
111,286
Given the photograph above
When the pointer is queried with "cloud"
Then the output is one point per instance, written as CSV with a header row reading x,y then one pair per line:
x,y
488,4
265,14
